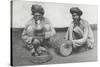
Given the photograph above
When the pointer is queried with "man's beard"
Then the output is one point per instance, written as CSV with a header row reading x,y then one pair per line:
x,y
76,21
37,21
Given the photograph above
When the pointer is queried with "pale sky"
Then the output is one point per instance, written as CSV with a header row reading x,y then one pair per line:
x,y
57,13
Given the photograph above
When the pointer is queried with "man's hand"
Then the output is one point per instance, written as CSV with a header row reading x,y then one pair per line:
x,y
29,40
75,44
36,41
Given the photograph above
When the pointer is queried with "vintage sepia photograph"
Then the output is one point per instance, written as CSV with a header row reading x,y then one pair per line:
x,y
52,33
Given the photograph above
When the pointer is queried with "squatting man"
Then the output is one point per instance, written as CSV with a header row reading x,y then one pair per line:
x,y
79,33
38,31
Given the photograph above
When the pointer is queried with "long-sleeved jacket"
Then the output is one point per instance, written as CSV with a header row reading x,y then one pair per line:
x,y
80,33
36,31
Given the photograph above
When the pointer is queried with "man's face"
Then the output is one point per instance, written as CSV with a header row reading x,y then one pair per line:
x,y
37,16
75,16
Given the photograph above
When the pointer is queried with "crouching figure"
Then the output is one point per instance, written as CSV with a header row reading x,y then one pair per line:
x,y
38,31
79,33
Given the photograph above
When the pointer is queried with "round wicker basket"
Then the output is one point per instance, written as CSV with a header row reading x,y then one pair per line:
x,y
42,58
63,47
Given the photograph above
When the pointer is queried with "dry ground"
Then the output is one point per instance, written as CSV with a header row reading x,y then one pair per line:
x,y
22,57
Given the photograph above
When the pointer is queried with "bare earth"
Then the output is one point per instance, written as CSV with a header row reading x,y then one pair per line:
x,y
22,57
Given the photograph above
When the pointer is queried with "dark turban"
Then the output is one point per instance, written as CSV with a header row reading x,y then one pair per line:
x,y
37,9
76,10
